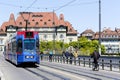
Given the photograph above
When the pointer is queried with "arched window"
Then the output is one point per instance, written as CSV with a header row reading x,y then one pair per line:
x,y
45,36
70,39
61,36
53,35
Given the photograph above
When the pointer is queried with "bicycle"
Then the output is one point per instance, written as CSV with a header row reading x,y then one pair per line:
x,y
95,68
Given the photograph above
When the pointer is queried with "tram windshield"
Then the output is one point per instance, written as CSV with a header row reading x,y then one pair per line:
x,y
29,44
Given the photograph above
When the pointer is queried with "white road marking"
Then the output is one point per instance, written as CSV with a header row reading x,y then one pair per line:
x,y
1,75
62,72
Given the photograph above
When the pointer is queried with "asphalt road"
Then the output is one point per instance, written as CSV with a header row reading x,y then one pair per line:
x,y
53,71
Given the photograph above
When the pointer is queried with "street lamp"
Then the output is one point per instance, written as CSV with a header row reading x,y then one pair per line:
x,y
25,16
100,27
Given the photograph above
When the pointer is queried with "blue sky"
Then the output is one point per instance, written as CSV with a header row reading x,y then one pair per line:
x,y
82,14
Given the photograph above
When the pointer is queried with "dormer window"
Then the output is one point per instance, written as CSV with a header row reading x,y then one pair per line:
x,y
49,20
36,23
70,30
33,20
53,23
41,20
28,23
61,18
45,23
1,29
20,23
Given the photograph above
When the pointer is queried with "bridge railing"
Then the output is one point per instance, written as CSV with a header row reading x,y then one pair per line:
x,y
85,62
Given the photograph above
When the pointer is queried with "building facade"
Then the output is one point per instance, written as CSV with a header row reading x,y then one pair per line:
x,y
48,24
109,38
88,34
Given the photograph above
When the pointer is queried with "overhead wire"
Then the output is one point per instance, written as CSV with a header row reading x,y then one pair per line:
x,y
54,7
84,3
30,5
11,5
65,5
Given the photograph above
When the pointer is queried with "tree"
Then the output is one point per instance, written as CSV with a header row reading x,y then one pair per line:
x,y
88,46
84,45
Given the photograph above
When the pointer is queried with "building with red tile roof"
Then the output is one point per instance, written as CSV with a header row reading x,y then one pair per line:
x,y
48,24
88,33
109,38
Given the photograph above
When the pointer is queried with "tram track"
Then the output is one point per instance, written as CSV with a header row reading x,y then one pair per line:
x,y
84,73
73,72
38,72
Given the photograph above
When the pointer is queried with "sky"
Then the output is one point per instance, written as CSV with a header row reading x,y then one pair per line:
x,y
82,14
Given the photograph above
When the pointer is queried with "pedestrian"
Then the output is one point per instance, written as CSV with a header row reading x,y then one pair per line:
x,y
67,55
71,57
75,54
95,55
41,55
63,54
50,55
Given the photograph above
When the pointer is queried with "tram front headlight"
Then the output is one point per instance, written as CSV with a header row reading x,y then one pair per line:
x,y
32,57
27,57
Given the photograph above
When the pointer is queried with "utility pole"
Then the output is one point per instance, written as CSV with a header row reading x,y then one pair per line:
x,y
54,33
100,27
25,18
26,24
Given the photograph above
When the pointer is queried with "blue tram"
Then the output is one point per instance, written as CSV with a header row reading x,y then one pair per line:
x,y
23,47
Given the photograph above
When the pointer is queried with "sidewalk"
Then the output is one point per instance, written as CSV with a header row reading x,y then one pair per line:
x,y
1,76
1,73
88,67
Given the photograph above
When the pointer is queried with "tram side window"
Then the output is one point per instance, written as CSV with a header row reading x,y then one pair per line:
x,y
9,46
37,45
19,45
14,47
4,50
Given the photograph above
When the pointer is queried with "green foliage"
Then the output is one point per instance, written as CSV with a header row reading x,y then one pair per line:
x,y
59,46
85,46
74,44
102,49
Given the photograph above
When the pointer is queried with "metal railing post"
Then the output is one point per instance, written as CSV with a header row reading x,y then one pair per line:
x,y
74,61
79,61
89,63
84,62
55,58
102,64
61,58
110,65
58,58
119,65
67,60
